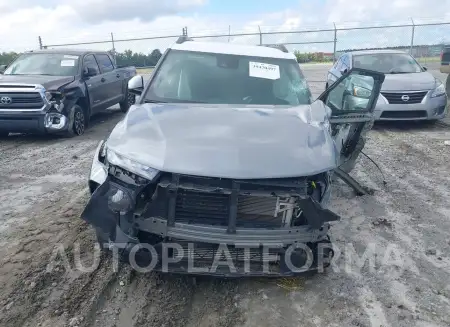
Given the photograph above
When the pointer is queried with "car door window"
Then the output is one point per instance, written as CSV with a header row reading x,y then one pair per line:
x,y
105,63
353,93
345,63
339,64
90,62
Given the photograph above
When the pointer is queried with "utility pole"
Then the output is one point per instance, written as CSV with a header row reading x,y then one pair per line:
x,y
412,37
335,41
113,49
260,35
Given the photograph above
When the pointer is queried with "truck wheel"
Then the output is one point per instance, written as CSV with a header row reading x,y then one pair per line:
x,y
126,103
79,122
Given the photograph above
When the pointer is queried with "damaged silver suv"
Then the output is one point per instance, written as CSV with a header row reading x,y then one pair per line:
x,y
224,165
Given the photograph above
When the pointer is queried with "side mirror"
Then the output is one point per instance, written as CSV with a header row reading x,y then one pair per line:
x,y
89,72
2,68
136,84
424,68
344,71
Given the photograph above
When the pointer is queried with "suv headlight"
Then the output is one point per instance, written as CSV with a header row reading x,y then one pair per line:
x,y
137,168
439,90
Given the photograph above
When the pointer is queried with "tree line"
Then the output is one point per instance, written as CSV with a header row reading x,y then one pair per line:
x,y
126,58
418,51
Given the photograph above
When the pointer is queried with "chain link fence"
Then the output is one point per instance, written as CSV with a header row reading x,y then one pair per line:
x,y
424,40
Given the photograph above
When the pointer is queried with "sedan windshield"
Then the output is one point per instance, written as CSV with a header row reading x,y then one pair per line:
x,y
201,77
53,64
387,63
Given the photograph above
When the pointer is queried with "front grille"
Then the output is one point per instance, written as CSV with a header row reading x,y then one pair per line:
x,y
22,100
404,114
255,203
206,208
214,209
203,255
396,98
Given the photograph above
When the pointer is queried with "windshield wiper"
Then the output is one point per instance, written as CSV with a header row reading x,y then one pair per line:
x,y
178,101
394,72
154,101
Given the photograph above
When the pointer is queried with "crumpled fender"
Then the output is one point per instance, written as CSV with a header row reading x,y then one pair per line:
x,y
97,211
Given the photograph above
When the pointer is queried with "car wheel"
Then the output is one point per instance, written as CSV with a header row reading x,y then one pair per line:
x,y
79,122
447,85
431,122
126,103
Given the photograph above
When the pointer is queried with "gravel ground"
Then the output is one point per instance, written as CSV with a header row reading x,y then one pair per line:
x,y
404,227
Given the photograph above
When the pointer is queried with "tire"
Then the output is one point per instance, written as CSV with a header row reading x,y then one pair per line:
x,y
78,126
447,85
127,102
431,122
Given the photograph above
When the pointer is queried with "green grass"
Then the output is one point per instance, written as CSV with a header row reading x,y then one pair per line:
x,y
141,71
429,59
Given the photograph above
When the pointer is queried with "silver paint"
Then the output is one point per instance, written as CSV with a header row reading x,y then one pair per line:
x,y
228,141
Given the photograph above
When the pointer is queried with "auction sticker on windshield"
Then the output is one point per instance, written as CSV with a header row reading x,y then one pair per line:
x,y
262,70
68,63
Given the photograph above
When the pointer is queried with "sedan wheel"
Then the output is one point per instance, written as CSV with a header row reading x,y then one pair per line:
x,y
447,85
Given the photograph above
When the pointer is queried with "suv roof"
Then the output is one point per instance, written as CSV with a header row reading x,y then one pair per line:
x,y
273,51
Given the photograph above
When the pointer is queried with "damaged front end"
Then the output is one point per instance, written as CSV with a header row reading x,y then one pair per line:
x,y
204,225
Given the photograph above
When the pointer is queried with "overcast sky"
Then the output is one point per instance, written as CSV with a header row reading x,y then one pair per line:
x,y
68,21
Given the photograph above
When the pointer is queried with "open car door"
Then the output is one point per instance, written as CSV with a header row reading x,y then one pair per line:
x,y
352,99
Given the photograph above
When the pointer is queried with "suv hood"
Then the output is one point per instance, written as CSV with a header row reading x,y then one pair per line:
x,y
409,82
227,141
48,82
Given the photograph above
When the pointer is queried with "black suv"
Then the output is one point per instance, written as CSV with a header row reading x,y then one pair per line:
x,y
57,91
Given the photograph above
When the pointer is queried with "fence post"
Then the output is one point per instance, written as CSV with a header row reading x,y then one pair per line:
x,y
260,35
40,42
412,37
335,41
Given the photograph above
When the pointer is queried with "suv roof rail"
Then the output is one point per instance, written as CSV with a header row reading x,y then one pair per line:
x,y
280,47
183,39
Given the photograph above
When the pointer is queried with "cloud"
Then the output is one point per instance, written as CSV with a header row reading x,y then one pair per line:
x,y
97,11
64,22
